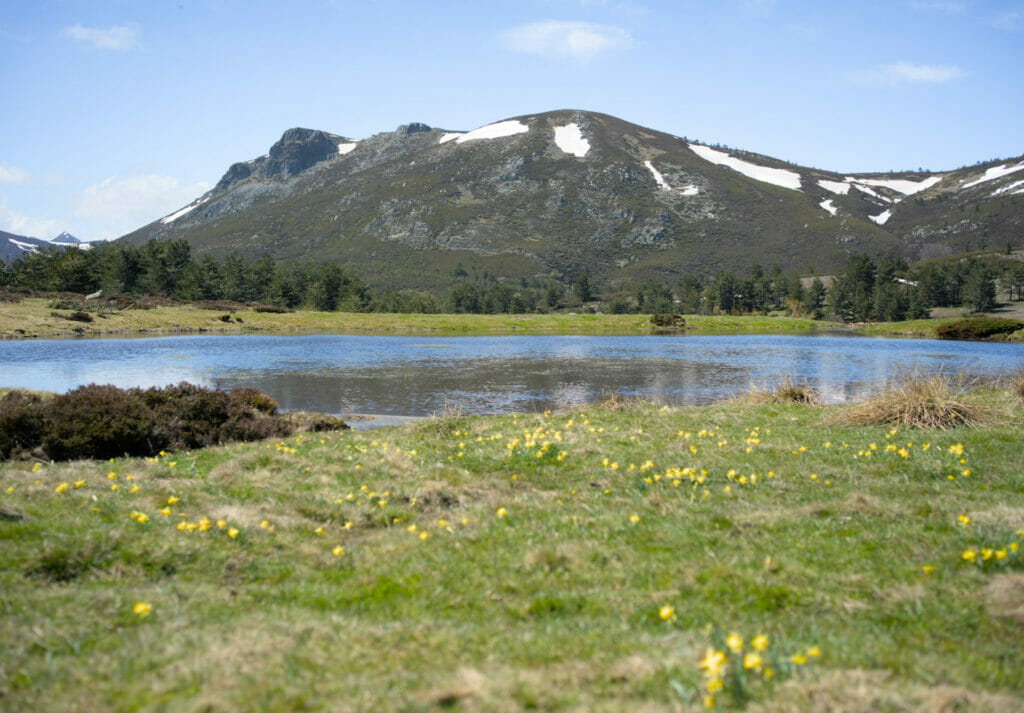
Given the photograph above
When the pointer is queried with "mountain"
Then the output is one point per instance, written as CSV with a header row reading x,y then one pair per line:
x,y
566,191
13,246
69,240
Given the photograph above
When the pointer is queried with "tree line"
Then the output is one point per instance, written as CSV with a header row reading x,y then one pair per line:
x,y
863,290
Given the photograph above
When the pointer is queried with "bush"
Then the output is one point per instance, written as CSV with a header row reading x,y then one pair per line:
x,y
98,422
76,316
668,321
107,422
255,400
21,423
978,328
274,309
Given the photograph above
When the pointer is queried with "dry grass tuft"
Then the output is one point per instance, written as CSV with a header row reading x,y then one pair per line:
x,y
787,391
1017,385
938,401
1004,597
614,402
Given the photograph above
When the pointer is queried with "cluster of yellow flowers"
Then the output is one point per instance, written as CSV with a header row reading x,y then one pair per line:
x,y
744,666
985,556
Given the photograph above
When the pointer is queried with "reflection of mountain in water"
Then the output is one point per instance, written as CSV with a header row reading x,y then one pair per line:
x,y
492,385
395,375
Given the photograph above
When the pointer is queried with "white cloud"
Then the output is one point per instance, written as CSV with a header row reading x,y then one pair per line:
x,y
578,40
122,206
953,8
12,174
12,222
905,72
117,37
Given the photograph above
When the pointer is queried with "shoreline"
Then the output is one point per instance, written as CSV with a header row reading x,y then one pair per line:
x,y
33,319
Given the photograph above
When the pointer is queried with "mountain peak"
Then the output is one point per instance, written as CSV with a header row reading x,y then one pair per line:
x,y
559,192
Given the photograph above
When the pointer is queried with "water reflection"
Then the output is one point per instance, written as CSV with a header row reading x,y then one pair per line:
x,y
411,376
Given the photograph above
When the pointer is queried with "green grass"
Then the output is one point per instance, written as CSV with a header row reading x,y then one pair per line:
x,y
922,329
33,318
838,543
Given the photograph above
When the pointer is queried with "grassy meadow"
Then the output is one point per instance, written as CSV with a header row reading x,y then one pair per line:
x,y
33,317
620,556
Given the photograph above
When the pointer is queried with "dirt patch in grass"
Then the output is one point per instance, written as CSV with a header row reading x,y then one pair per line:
x,y
1004,596
1002,516
856,691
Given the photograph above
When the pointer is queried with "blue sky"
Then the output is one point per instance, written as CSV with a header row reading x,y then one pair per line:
x,y
116,113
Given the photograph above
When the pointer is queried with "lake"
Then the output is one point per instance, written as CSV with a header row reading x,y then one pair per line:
x,y
410,376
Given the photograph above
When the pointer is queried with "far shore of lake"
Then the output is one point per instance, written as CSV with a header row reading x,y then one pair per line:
x,y
32,318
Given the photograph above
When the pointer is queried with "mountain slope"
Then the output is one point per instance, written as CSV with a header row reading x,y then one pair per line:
x,y
556,193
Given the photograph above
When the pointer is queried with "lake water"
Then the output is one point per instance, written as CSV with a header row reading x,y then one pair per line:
x,y
418,376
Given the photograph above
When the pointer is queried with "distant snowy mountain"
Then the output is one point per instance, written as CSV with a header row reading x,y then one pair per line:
x,y
14,246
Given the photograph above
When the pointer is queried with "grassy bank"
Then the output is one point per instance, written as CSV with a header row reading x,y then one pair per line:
x,y
34,318
576,561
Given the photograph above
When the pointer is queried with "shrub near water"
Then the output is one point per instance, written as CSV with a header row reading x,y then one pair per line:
x,y
106,422
978,328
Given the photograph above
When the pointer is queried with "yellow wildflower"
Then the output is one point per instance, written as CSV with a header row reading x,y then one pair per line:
x,y
141,609
734,641
752,660
760,643
666,612
712,662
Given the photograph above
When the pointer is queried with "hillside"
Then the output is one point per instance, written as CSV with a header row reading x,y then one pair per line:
x,y
566,191
14,246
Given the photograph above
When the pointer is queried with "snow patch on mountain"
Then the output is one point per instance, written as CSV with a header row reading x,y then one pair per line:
x,y
570,139
775,176
906,187
346,148
864,189
690,190
1008,188
662,183
26,247
994,173
494,131
184,211
835,187
450,136
882,217
827,205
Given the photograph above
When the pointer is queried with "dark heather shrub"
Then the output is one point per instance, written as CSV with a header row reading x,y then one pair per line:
x,y
253,427
21,422
98,422
978,328
255,400
188,416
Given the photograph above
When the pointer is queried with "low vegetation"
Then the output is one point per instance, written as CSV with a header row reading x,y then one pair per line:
x,y
629,557
917,400
107,422
788,390
978,328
